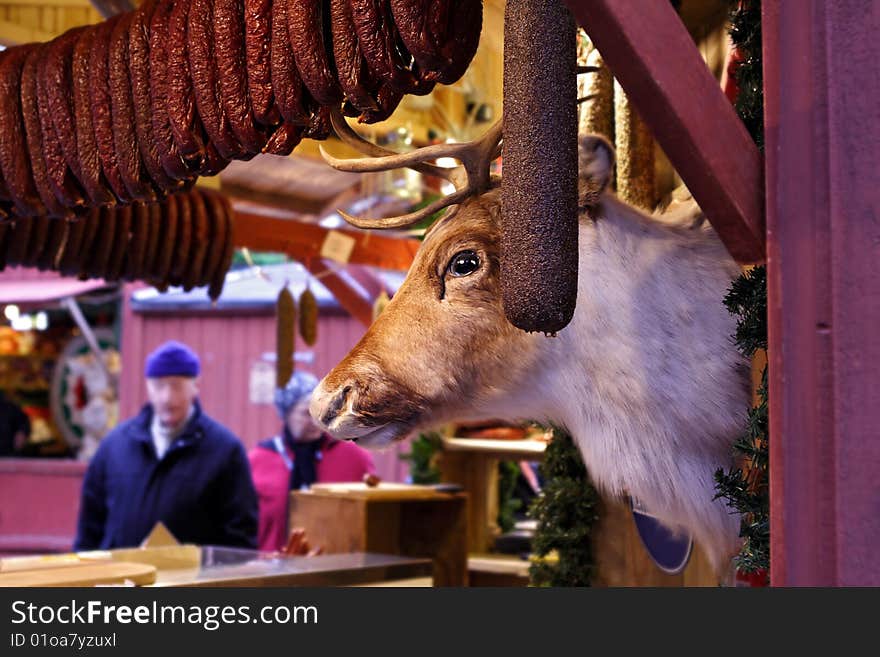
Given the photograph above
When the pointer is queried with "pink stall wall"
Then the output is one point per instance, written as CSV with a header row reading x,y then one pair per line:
x,y
39,498
228,345
39,501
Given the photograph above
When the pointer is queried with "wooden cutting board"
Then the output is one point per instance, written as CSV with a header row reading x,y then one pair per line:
x,y
389,491
84,575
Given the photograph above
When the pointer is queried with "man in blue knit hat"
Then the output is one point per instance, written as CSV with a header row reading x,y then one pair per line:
x,y
171,463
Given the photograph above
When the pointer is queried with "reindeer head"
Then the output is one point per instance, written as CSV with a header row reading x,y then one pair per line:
x,y
442,349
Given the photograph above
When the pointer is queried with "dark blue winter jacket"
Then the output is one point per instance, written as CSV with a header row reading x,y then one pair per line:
x,y
201,489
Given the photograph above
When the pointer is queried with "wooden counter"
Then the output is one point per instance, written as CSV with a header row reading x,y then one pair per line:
x,y
412,521
352,569
210,566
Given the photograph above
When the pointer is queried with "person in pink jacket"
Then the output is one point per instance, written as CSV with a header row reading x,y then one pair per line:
x,y
300,455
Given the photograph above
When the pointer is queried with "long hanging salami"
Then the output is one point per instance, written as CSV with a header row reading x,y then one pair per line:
x,y
539,209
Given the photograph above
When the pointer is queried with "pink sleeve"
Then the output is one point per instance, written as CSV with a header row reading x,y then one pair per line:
x,y
367,461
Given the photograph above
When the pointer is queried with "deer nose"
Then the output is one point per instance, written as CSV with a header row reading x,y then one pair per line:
x,y
327,405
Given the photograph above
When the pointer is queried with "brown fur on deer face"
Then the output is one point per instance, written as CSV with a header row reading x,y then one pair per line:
x,y
442,348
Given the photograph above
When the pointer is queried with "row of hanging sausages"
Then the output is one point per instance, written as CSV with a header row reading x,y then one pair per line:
x,y
138,106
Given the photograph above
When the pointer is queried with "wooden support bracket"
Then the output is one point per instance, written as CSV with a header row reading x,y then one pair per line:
x,y
652,55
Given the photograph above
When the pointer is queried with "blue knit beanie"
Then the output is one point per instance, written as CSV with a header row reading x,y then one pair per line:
x,y
172,359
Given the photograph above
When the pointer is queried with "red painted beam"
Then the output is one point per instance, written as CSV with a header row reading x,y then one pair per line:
x,y
265,228
367,280
652,55
823,250
344,289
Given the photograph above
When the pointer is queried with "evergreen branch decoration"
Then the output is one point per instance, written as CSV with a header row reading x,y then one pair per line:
x,y
422,458
566,511
746,488
745,33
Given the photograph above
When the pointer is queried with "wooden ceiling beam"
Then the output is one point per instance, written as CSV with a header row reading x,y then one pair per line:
x,y
263,228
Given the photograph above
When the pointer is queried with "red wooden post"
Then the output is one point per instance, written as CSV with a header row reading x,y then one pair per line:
x,y
652,55
823,257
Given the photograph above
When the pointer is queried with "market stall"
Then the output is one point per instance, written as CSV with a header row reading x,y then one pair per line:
x,y
577,193
48,366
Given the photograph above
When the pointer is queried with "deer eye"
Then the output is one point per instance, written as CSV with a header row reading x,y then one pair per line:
x,y
463,263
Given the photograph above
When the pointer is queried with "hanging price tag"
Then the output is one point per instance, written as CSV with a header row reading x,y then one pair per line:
x,y
338,247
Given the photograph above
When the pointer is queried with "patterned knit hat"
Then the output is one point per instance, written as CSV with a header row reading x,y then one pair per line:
x,y
301,385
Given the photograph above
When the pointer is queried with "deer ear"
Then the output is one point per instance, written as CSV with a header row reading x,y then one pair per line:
x,y
595,166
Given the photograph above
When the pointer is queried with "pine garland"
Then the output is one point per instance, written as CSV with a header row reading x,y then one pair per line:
x,y
745,33
422,458
566,512
747,489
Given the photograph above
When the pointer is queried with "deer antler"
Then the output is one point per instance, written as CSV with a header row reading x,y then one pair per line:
x,y
470,179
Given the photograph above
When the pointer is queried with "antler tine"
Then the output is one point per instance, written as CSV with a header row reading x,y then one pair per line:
x,y
381,159
406,220
477,155
411,160
470,179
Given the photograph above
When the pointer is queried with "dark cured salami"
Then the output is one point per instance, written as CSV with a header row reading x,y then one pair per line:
x,y
53,241
307,23
61,180
465,26
386,57
37,241
285,138
102,247
291,98
353,73
101,108
200,54
423,26
229,54
56,75
167,242
93,228
180,102
122,102
14,160
30,114
139,79
68,262
216,235
166,150
219,277
91,177
389,98
154,227
180,259
140,227
121,238
441,35
320,126
19,240
5,229
257,45
199,246
214,162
